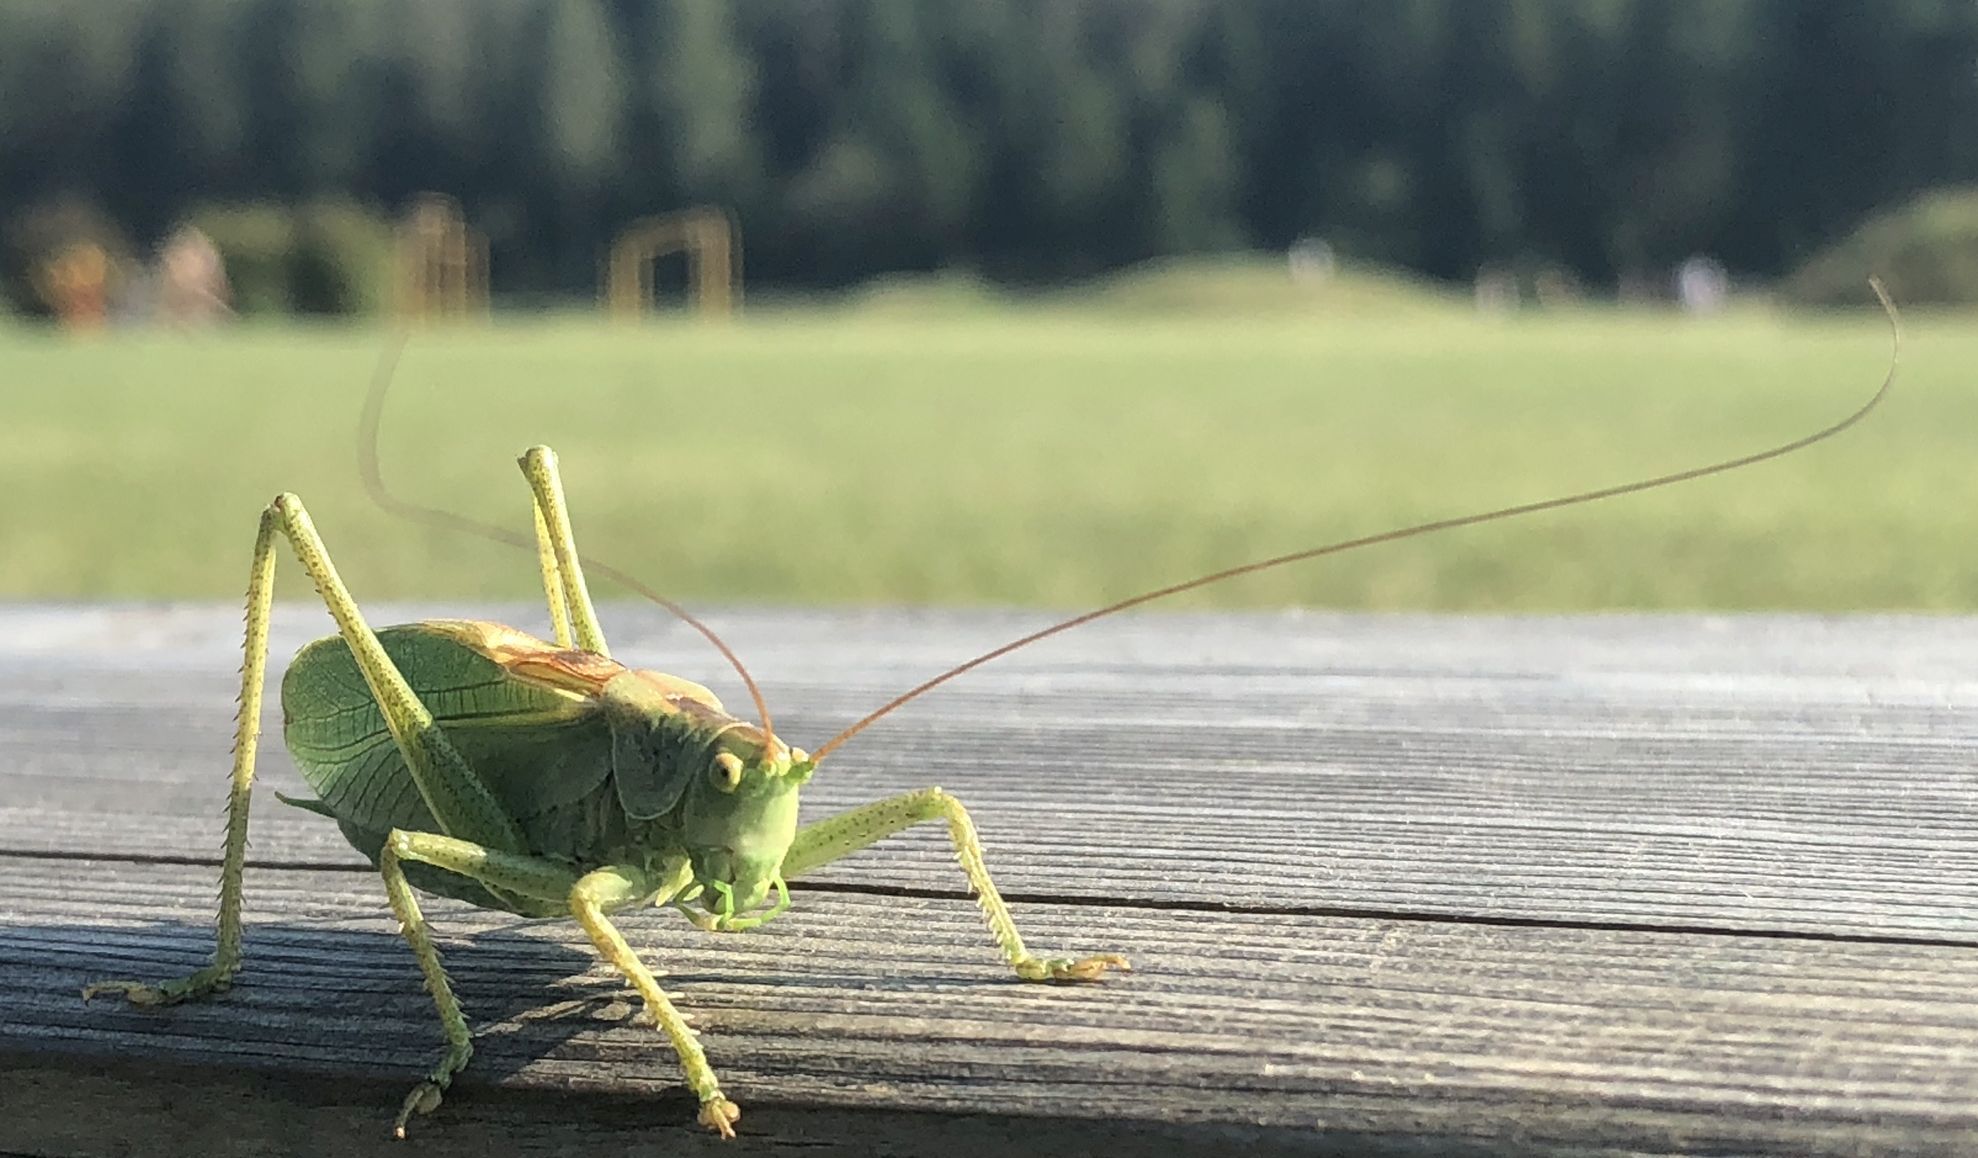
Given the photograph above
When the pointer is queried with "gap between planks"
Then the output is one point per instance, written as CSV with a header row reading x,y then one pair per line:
x,y
1152,905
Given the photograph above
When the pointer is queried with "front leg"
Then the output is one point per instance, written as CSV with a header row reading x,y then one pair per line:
x,y
840,836
618,887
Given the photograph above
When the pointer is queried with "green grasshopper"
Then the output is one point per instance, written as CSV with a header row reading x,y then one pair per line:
x,y
470,760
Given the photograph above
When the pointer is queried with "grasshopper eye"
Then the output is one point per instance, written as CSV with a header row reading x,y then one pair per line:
x,y
727,771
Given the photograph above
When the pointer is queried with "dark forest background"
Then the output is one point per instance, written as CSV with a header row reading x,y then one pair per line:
x,y
1030,140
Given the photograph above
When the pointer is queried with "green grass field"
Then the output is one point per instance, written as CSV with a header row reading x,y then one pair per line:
x,y
1043,456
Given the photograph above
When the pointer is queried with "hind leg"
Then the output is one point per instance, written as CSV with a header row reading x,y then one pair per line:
x,y
457,797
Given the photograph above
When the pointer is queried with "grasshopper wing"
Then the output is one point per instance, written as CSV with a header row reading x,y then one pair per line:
x,y
529,725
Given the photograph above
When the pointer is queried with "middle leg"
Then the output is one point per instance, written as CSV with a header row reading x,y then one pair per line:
x,y
514,874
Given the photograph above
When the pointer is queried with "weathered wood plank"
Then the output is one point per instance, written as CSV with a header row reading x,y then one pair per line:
x,y
1764,773
1509,1040
1395,884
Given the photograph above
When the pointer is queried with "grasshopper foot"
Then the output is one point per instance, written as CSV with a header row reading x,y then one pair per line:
x,y
164,992
424,1099
427,1095
1067,969
720,1115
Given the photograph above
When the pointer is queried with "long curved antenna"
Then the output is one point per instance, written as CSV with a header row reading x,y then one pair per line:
x,y
374,485
1888,380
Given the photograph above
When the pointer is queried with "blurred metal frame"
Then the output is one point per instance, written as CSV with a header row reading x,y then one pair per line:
x,y
712,241
442,262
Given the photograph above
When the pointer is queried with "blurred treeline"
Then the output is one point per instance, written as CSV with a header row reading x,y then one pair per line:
x,y
1025,139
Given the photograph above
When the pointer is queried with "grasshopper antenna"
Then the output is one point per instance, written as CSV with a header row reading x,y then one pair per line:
x,y
374,485
1648,484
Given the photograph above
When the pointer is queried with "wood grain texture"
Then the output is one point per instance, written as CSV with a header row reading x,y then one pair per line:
x,y
1394,884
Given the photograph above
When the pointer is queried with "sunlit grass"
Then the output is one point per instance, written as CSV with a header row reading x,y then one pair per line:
x,y
1027,456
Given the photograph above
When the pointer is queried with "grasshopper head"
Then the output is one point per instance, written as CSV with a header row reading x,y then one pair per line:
x,y
737,821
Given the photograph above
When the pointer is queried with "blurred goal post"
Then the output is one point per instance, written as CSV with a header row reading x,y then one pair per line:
x,y
712,243
442,262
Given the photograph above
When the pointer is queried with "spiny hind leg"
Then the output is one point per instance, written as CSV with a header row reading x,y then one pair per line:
x,y
516,875
559,603
615,888
840,836
457,797
570,610
247,732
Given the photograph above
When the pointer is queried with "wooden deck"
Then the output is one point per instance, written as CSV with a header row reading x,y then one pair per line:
x,y
1391,885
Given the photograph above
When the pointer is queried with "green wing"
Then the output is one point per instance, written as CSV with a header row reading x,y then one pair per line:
x,y
538,747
